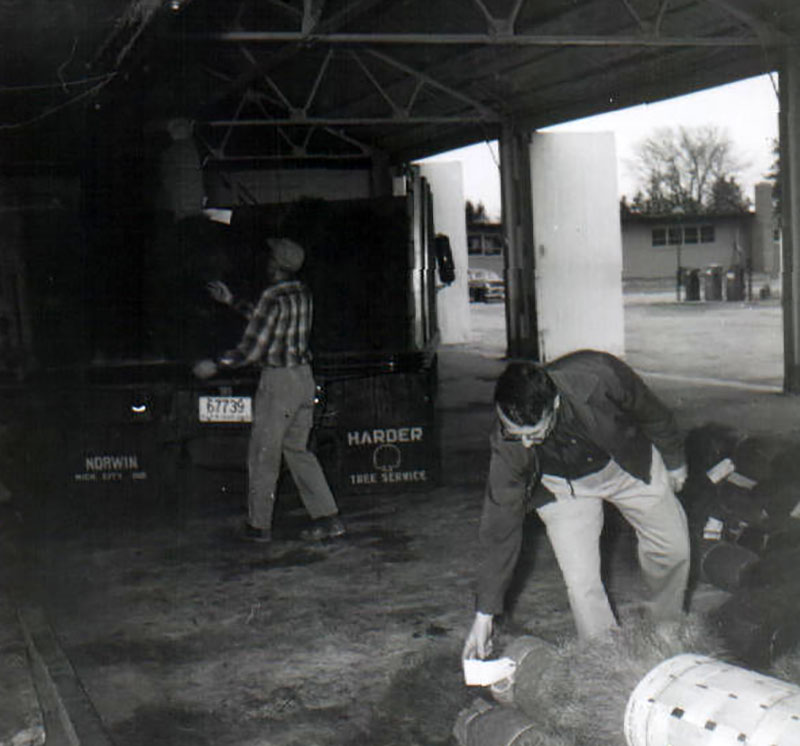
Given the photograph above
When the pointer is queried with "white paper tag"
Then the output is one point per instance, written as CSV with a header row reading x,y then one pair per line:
x,y
713,529
795,511
219,214
740,480
486,673
719,471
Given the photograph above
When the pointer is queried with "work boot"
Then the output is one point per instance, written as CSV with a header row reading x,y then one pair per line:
x,y
329,527
258,535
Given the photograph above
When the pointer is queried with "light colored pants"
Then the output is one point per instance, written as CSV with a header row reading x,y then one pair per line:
x,y
574,522
282,419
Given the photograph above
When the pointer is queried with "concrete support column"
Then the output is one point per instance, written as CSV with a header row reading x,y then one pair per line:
x,y
790,193
518,258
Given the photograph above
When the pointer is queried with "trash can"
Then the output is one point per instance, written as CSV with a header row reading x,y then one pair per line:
x,y
734,283
712,277
691,284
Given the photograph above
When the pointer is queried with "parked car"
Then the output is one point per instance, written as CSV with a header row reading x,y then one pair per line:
x,y
485,286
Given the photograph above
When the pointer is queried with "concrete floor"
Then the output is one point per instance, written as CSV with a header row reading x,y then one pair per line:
x,y
165,630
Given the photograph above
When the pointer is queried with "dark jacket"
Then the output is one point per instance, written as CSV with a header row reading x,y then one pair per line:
x,y
614,408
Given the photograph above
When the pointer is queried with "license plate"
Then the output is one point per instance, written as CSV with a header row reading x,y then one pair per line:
x,y
226,409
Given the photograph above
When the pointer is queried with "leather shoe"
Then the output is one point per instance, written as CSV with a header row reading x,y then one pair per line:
x,y
330,527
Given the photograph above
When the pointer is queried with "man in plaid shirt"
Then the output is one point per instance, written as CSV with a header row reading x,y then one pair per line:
x,y
276,338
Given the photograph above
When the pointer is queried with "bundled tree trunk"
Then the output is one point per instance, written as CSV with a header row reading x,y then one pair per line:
x,y
482,724
580,691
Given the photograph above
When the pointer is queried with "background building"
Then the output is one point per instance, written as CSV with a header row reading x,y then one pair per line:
x,y
654,246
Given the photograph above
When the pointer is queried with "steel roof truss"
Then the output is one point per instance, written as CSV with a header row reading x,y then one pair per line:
x,y
303,113
478,111
643,25
662,11
363,148
312,12
290,9
299,149
397,110
259,72
500,26
464,39
477,106
226,136
748,20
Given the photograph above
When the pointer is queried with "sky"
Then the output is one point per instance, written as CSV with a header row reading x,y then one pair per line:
x,y
745,111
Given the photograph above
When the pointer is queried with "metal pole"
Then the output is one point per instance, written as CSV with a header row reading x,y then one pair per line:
x,y
790,190
522,332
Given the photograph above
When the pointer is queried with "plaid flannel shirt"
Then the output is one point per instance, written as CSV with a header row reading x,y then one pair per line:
x,y
278,330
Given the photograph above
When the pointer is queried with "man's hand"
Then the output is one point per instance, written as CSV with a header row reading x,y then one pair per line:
x,y
677,478
220,292
479,640
204,369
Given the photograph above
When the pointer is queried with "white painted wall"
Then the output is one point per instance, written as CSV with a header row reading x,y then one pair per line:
x,y
578,243
447,184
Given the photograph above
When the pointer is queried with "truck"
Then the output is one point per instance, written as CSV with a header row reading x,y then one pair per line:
x,y
111,314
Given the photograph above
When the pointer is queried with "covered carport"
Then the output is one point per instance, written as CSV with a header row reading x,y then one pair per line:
x,y
369,86
158,628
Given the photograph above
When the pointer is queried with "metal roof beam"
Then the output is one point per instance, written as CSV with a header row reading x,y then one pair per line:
x,y
276,157
520,40
318,81
352,121
433,83
502,26
759,27
312,12
632,12
398,110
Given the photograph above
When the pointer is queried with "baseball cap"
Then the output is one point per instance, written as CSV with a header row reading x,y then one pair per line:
x,y
287,254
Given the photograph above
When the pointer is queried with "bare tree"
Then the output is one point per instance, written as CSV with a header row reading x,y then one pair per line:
x,y
679,168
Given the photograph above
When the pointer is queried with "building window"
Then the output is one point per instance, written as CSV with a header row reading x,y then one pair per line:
x,y
493,246
474,245
706,234
674,235
690,234
659,237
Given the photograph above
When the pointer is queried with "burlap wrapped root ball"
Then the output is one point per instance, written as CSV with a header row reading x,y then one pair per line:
x,y
484,724
580,691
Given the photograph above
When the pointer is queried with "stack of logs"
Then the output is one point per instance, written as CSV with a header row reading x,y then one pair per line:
x,y
742,498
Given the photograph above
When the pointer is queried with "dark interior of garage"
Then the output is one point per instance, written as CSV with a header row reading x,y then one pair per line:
x,y
129,613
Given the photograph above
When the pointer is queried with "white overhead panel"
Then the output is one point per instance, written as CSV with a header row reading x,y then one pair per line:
x,y
577,243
